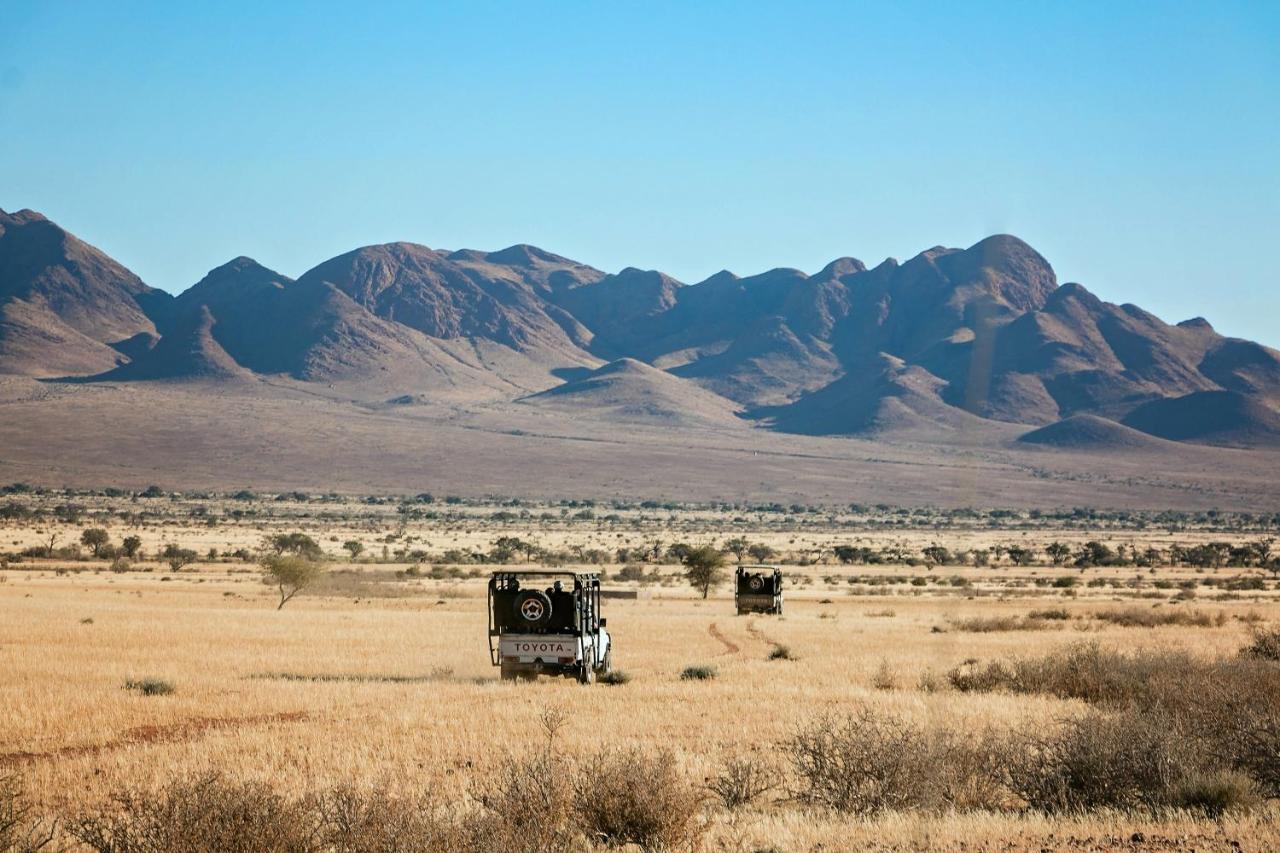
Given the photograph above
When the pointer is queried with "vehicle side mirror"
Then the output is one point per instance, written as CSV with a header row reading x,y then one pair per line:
x,y
604,622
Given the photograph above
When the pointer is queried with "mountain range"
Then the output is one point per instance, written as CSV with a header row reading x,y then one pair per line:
x,y
951,342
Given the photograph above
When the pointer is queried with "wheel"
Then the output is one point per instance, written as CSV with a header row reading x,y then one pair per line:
x,y
531,608
606,665
586,674
756,583
509,672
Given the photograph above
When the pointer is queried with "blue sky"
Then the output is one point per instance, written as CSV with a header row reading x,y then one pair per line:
x,y
1135,145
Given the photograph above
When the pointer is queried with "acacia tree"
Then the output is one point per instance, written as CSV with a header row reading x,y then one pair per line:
x,y
297,544
704,568
354,547
178,557
739,546
95,538
290,574
131,545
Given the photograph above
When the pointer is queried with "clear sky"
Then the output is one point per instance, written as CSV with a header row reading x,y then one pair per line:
x,y
1137,146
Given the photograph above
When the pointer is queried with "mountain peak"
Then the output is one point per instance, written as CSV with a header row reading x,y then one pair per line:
x,y
841,267
524,255
22,217
1006,267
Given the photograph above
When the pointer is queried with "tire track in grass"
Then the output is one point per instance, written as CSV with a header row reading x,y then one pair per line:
x,y
759,635
730,647
153,734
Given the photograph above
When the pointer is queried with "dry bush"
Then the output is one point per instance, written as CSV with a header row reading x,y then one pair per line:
x,y
742,781
1265,645
207,815
780,652
636,797
1172,680
1053,614
1084,671
1140,617
1123,761
864,763
991,624
20,830
871,762
149,686
1237,721
528,805
1228,710
349,820
884,678
1135,759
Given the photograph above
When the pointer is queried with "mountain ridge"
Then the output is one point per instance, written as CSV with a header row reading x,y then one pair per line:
x,y
954,340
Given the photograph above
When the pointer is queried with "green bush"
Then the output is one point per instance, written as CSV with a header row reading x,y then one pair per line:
x,y
150,686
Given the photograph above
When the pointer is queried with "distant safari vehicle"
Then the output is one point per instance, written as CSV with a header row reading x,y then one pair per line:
x,y
758,590
548,622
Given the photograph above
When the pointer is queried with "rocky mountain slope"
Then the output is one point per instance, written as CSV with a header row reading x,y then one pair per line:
x,y
960,341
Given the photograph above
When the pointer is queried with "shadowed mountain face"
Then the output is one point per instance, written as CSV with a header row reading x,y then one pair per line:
x,y
64,305
951,341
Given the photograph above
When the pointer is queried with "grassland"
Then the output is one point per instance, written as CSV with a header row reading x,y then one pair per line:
x,y
380,677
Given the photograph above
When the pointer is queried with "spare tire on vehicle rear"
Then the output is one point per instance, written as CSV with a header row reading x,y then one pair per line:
x,y
531,608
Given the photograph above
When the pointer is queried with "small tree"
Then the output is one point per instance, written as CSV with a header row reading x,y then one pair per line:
x,y
131,546
354,547
738,546
1058,552
94,538
704,568
290,574
937,554
297,544
177,557
761,553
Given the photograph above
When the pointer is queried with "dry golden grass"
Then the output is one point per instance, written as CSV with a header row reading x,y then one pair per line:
x,y
357,686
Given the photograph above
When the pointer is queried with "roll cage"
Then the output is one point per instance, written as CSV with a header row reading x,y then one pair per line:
x,y
586,604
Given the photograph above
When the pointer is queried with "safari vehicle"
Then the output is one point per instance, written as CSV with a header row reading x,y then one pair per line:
x,y
758,590
548,622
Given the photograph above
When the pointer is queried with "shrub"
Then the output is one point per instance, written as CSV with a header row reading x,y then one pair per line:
x,y
1265,645
528,804
699,672
780,652
1122,761
150,686
615,676
636,797
742,781
1228,709
1138,617
290,575
990,624
207,815
884,678
20,830
863,763
349,820
1214,794
870,762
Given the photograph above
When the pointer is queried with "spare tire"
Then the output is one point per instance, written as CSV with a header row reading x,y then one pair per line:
x,y
756,582
531,608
